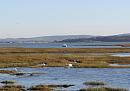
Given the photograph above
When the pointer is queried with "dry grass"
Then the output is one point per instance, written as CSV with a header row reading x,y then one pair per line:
x,y
63,50
12,88
40,88
7,71
59,57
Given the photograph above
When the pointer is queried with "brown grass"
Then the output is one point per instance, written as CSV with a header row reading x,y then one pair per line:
x,y
63,50
12,88
7,71
59,57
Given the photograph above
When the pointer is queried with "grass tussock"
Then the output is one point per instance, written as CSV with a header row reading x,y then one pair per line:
x,y
61,86
12,88
40,88
95,83
103,89
8,82
47,87
7,71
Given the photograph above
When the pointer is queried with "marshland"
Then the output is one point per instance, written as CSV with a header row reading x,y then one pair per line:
x,y
64,45
50,66
61,57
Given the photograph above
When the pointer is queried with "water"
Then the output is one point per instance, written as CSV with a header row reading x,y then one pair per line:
x,y
75,76
120,65
70,45
117,77
121,54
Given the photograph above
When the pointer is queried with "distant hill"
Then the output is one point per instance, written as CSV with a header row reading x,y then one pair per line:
x,y
44,38
69,38
113,38
126,34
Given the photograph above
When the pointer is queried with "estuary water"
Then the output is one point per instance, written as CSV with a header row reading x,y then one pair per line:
x,y
121,54
76,76
114,77
70,45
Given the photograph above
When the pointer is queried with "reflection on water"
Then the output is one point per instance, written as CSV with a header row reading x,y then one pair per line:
x,y
120,65
70,45
121,54
76,76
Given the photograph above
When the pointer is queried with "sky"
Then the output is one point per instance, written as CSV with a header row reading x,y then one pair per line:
x,y
34,18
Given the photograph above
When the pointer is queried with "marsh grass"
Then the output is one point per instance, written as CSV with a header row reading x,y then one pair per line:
x,y
12,88
103,89
48,87
40,88
60,57
8,82
95,83
64,50
63,86
7,71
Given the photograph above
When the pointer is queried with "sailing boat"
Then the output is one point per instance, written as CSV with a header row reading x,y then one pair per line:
x,y
64,45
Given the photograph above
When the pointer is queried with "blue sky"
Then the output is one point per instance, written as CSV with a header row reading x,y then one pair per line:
x,y
30,18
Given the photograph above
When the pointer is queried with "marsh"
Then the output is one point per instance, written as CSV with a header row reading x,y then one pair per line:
x,y
116,78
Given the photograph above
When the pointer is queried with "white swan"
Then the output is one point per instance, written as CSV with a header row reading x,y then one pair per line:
x,y
16,69
70,65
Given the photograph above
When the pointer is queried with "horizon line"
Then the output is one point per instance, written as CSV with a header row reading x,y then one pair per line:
x,y
65,35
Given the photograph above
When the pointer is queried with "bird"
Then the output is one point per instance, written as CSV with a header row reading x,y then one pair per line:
x,y
16,69
70,65
44,64
64,45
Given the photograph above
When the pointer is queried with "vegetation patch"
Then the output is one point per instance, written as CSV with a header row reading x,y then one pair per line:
x,y
7,71
48,87
64,86
103,89
40,88
19,74
95,83
61,57
12,88
8,82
